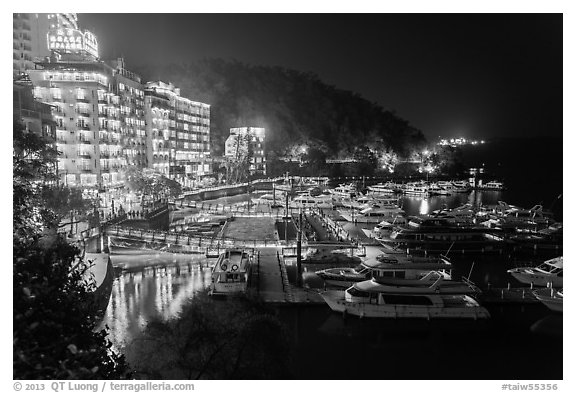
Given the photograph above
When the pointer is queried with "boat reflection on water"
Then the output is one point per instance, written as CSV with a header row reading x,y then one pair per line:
x,y
552,325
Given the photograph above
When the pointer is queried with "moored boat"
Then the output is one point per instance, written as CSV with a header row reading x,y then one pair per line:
x,y
231,272
389,268
551,298
549,273
373,300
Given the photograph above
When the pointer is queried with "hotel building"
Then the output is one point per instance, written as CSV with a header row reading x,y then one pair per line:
x,y
105,118
178,134
30,37
244,141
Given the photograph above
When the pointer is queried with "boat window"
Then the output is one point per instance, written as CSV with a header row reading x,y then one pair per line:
x,y
400,274
387,274
407,300
356,293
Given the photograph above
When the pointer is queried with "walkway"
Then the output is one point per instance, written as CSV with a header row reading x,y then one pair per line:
x,y
272,285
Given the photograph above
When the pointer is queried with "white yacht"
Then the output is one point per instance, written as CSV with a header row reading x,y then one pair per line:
x,y
386,188
377,214
549,273
307,201
389,268
515,217
385,227
345,191
436,189
230,273
420,189
492,186
551,298
373,300
461,186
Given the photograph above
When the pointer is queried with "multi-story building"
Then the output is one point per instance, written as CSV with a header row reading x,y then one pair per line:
x,y
87,120
178,134
107,120
30,37
247,142
130,90
35,115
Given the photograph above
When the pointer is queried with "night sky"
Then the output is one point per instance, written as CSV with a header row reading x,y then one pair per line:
x,y
471,75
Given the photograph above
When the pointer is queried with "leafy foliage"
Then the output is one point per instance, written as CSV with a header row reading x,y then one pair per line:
x,y
54,304
151,184
233,339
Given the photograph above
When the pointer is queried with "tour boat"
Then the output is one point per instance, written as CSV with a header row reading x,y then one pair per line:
x,y
435,189
386,188
461,186
549,239
549,273
386,227
268,198
377,214
307,201
535,217
389,268
446,185
550,297
492,186
432,282
416,189
440,234
230,273
345,191
373,300
371,201
460,215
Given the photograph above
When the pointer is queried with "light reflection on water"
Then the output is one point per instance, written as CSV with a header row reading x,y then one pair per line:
x,y
151,292
157,284
419,205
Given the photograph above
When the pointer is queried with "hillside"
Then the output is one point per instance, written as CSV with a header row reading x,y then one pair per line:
x,y
293,107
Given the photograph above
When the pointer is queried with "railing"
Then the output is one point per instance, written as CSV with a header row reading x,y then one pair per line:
x,y
189,242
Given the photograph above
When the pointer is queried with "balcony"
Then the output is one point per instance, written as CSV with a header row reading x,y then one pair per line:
x,y
83,126
82,99
105,169
102,100
86,169
57,98
104,154
83,112
85,141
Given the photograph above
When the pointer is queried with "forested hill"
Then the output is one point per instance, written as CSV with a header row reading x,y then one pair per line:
x,y
293,106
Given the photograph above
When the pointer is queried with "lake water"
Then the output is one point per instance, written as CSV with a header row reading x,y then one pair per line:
x,y
518,342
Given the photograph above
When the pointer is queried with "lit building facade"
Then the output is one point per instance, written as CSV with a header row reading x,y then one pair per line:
x,y
30,37
178,134
35,115
130,90
244,141
87,119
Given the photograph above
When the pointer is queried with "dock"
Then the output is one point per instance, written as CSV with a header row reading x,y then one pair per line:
x,y
270,281
508,296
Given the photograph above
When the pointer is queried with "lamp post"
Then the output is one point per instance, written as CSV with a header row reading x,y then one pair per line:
x,y
299,250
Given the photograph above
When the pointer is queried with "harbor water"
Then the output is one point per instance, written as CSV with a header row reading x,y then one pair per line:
x,y
517,342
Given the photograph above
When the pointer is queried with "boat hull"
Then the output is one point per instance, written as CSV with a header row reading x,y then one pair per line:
x,y
550,299
538,280
336,301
